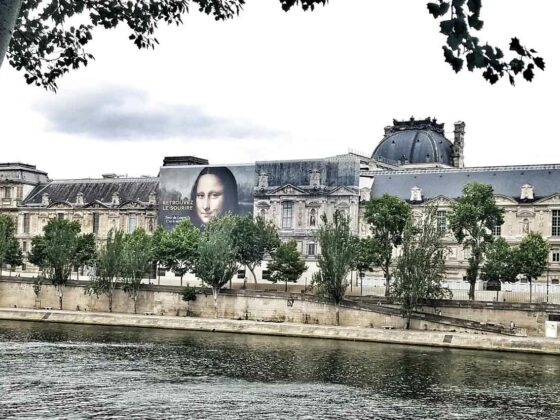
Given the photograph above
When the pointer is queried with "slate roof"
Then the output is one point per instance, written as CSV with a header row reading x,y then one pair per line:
x,y
335,172
129,189
506,180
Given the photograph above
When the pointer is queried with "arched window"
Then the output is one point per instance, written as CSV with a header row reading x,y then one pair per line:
x,y
313,218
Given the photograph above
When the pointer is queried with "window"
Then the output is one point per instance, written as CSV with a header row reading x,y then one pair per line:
x,y
8,192
24,246
555,222
60,216
26,223
19,193
311,248
555,256
287,214
441,218
131,222
95,222
312,217
497,230
555,281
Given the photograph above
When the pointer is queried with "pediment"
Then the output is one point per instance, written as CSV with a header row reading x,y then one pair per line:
x,y
440,200
95,205
553,199
343,191
288,190
60,205
131,204
342,205
315,204
504,200
525,213
263,204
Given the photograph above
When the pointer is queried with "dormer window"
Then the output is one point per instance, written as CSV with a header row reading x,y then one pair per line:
x,y
80,199
315,178
152,198
263,180
416,194
115,198
45,199
527,192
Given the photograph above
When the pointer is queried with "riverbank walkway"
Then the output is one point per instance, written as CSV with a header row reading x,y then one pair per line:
x,y
471,341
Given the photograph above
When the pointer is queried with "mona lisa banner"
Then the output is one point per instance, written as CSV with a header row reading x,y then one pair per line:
x,y
202,192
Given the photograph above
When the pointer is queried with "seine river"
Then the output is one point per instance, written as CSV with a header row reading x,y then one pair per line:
x,y
73,371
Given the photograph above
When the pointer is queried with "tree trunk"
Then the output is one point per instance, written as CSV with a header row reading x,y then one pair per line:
x,y
9,10
252,270
182,279
215,294
530,290
286,287
337,314
387,279
60,295
135,298
110,301
408,320
472,283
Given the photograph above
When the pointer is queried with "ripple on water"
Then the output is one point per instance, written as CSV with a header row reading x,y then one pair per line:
x,y
50,370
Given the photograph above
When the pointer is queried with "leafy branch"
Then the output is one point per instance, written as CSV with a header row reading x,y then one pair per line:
x,y
462,46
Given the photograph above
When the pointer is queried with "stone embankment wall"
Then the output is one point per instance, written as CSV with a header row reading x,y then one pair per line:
x,y
251,305
230,305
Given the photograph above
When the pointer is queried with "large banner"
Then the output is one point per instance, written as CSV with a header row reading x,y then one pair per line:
x,y
202,192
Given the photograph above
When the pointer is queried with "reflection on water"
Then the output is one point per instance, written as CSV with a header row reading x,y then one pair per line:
x,y
56,370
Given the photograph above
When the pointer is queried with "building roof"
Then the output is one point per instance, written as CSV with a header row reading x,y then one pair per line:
x,y
413,142
506,180
22,173
129,189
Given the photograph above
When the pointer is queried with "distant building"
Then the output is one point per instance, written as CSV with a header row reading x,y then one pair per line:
x,y
414,160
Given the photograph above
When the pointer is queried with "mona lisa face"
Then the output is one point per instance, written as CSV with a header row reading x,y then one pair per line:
x,y
209,197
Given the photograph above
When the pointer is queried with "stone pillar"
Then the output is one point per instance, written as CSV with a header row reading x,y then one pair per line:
x,y
459,144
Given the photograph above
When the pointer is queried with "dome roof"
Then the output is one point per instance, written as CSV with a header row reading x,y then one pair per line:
x,y
414,142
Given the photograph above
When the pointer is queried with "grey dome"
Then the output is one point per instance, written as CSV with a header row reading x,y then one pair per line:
x,y
414,142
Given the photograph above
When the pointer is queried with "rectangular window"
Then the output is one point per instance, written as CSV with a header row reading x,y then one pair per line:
x,y
287,214
8,192
24,246
555,222
555,256
95,222
60,216
441,217
26,223
555,281
19,193
131,222
311,248
497,231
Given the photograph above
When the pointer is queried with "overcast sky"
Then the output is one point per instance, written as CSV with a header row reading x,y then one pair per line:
x,y
271,85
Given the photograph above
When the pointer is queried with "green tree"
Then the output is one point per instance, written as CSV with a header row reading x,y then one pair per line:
x,y
7,238
38,255
387,217
420,269
158,249
473,217
369,254
108,266
253,239
216,262
338,252
178,248
14,255
188,294
136,260
532,258
57,252
45,44
86,252
501,263
286,264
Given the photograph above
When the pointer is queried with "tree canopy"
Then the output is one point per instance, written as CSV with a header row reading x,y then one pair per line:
x,y
286,264
387,217
473,217
51,36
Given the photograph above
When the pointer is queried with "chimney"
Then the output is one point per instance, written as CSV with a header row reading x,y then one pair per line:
x,y
459,144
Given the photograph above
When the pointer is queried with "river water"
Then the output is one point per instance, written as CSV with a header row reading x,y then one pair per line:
x,y
76,371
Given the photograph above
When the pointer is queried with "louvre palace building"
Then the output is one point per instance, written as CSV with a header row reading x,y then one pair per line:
x,y
414,161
